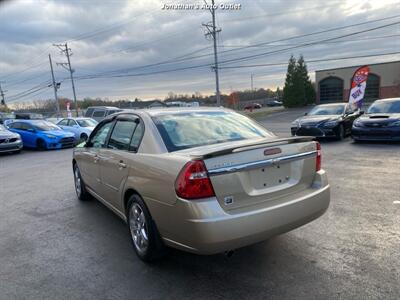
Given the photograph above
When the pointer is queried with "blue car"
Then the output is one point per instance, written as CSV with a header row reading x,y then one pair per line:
x,y
41,134
80,127
380,123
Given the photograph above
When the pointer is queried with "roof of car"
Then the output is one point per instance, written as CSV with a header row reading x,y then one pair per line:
x,y
388,99
171,110
76,118
106,107
332,104
30,120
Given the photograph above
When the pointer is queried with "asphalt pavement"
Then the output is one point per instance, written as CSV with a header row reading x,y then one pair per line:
x,y
54,247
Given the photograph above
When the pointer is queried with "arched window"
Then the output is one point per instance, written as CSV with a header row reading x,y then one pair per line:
x,y
331,90
372,90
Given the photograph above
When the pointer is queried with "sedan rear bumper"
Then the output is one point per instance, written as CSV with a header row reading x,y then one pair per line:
x,y
208,229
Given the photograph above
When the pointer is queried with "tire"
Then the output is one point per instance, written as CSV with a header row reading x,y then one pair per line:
x,y
143,231
83,137
80,187
41,144
340,134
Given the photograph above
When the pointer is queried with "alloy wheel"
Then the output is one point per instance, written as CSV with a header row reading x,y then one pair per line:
x,y
138,228
78,184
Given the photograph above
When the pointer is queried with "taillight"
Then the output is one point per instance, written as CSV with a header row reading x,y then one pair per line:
x,y
193,181
318,158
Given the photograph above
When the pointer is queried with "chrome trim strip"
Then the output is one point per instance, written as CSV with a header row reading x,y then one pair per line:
x,y
260,163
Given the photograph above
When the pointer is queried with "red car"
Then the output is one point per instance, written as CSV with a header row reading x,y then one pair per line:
x,y
253,106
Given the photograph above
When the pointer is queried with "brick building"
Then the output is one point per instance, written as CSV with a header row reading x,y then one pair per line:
x,y
333,85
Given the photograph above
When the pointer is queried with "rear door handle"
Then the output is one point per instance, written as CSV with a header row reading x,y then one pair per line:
x,y
96,158
121,164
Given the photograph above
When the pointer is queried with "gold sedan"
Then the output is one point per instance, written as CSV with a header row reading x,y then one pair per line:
x,y
203,180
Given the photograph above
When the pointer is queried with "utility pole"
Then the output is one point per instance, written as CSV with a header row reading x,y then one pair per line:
x,y
3,101
212,31
65,50
55,87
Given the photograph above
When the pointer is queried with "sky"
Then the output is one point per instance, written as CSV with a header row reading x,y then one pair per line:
x,y
137,49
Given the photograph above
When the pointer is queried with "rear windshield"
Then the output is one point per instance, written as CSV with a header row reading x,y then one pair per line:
x,y
386,107
192,129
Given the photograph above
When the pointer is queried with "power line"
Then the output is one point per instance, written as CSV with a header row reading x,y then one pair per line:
x,y
313,33
245,47
310,61
250,57
235,59
335,42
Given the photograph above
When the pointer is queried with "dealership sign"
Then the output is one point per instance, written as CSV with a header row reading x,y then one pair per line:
x,y
358,85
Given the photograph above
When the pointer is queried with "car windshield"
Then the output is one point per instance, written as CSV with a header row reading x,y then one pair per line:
x,y
45,126
187,130
321,110
386,107
87,122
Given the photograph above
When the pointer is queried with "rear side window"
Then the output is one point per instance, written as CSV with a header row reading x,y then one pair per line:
x,y
193,129
121,135
99,113
63,122
113,111
71,122
89,112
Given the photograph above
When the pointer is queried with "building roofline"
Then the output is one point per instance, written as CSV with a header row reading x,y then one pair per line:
x,y
355,66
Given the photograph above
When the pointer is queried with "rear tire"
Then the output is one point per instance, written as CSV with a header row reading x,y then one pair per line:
x,y
80,187
143,231
83,137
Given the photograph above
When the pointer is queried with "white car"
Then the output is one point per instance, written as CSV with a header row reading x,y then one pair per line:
x,y
81,127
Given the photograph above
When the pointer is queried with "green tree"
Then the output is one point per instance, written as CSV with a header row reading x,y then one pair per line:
x,y
298,90
289,90
308,91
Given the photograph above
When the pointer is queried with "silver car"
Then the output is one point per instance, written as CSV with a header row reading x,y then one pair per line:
x,y
9,141
203,180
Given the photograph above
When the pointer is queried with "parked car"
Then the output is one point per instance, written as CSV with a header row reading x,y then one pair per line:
x,y
253,106
9,141
203,191
326,120
54,120
274,103
382,122
6,116
100,112
80,127
28,116
41,134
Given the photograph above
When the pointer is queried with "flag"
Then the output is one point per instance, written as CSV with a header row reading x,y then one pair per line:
x,y
358,85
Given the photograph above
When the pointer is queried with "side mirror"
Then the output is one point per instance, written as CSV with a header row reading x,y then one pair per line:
x,y
305,114
361,112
